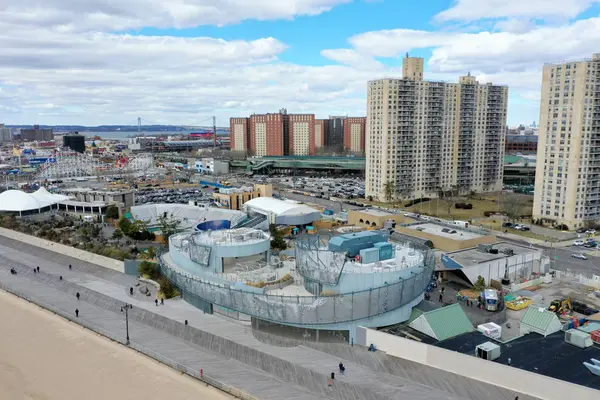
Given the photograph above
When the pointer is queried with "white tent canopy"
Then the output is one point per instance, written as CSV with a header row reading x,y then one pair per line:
x,y
19,201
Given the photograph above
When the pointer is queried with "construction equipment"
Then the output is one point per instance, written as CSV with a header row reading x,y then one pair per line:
x,y
560,306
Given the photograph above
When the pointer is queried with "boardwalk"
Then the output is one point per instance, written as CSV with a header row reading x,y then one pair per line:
x,y
226,350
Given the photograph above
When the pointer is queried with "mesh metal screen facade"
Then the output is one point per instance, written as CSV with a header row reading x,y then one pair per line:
x,y
315,262
307,310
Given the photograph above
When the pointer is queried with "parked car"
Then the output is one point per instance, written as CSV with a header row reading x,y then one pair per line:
x,y
508,225
578,242
581,230
591,231
424,217
579,256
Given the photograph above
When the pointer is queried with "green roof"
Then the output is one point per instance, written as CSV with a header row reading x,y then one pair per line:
x,y
512,159
448,322
538,318
416,313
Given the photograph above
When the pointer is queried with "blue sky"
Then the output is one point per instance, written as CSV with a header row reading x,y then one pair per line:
x,y
181,62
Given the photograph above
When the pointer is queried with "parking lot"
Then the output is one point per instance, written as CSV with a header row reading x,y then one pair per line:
x,y
173,196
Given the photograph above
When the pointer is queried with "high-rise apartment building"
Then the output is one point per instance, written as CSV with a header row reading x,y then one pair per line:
x,y
301,134
354,134
567,180
428,137
5,134
267,134
334,134
320,129
37,134
239,134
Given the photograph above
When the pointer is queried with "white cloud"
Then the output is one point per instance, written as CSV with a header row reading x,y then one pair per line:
x,y
514,25
118,15
473,10
352,58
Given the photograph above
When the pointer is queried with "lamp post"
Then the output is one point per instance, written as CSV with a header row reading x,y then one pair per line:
x,y
126,309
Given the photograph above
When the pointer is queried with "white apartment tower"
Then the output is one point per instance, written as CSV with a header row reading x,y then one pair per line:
x,y
428,137
567,179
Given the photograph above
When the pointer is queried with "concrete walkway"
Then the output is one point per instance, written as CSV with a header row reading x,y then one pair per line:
x,y
228,350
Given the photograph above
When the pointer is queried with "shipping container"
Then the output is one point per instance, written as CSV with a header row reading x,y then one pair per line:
x,y
596,336
490,330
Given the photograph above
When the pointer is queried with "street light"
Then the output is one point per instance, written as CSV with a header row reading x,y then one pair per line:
x,y
126,309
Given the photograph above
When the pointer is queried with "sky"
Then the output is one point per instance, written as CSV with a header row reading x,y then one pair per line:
x,y
102,62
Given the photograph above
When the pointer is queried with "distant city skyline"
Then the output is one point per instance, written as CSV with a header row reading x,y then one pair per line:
x,y
182,62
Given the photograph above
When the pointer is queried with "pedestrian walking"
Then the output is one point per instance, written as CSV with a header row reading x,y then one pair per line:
x,y
131,291
38,268
77,295
443,290
61,277
162,302
186,322
77,312
441,297
156,302
34,271
69,266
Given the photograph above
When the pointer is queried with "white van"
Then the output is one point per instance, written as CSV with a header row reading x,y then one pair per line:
x,y
89,218
462,224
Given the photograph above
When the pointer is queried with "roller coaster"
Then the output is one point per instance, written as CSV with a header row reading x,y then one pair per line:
x,y
76,165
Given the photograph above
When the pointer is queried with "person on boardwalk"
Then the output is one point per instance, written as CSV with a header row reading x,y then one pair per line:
x,y
77,312
131,291
77,295
69,266
34,270
441,297
38,268
341,368
162,302
156,302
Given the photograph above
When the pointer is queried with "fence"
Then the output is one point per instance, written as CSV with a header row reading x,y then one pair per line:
x,y
306,310
164,360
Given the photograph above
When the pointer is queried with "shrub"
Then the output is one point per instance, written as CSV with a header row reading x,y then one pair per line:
x,y
464,206
149,269
167,288
479,284
417,201
489,213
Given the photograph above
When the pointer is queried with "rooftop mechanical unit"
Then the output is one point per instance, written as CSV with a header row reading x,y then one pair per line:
x,y
488,351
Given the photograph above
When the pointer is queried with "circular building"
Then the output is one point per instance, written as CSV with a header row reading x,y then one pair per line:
x,y
280,212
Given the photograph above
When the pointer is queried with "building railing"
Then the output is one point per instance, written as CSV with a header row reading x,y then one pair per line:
x,y
306,310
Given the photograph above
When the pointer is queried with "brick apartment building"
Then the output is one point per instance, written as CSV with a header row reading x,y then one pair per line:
x,y
283,134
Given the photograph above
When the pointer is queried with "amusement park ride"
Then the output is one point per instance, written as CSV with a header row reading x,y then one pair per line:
x,y
76,165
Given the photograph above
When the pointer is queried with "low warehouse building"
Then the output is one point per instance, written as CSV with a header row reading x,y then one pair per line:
x,y
281,212
446,237
374,218
495,261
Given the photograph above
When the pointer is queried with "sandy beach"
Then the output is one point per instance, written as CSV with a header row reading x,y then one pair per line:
x,y
44,357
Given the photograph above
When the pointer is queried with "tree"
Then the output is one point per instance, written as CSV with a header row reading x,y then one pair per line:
x,y
479,284
112,211
513,206
168,226
389,191
117,234
277,241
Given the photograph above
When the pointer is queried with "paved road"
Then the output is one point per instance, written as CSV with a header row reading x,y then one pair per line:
x,y
562,259
332,205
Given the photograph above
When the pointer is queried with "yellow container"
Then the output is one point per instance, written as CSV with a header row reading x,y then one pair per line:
x,y
518,304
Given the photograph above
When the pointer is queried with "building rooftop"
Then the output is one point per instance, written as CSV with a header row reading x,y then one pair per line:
x,y
472,256
550,356
377,213
538,318
443,231
444,322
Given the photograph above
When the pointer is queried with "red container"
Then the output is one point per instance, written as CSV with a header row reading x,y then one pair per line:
x,y
575,323
596,336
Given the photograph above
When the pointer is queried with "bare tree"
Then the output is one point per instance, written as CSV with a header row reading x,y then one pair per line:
x,y
513,205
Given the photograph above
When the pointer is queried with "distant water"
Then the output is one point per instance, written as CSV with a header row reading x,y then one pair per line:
x,y
123,135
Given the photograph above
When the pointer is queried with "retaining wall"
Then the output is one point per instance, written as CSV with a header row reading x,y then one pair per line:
x,y
529,383
82,255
